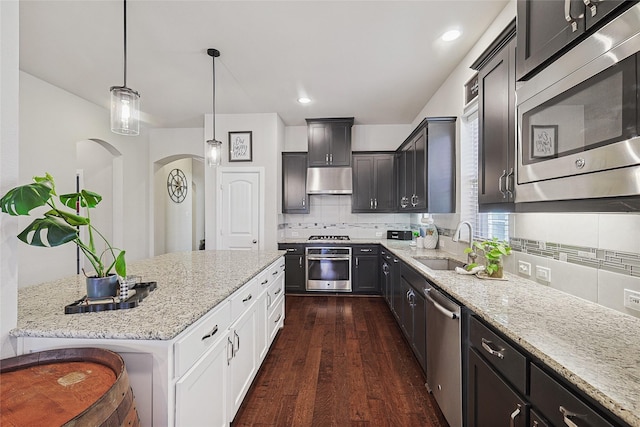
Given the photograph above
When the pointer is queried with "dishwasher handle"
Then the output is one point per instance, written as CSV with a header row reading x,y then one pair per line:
x,y
450,314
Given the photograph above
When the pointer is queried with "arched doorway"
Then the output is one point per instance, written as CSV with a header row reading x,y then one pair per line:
x,y
178,221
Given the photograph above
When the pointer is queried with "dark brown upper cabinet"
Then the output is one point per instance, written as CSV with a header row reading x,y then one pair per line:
x,y
329,141
426,168
373,182
547,29
294,183
496,123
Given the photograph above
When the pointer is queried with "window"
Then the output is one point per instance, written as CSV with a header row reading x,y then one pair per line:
x,y
485,225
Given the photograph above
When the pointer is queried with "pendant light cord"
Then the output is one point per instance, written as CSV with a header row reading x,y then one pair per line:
x,y
213,53
125,43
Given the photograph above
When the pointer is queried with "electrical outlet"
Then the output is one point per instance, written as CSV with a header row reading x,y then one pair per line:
x,y
543,273
294,234
562,256
524,268
378,233
632,299
542,245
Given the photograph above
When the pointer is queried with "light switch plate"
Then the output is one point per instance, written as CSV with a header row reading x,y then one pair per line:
x,y
543,273
632,299
524,268
378,233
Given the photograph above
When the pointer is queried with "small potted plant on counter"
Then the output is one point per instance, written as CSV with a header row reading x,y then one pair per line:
x,y
58,226
493,250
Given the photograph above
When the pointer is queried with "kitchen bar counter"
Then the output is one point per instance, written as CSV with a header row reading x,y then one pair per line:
x,y
593,347
189,284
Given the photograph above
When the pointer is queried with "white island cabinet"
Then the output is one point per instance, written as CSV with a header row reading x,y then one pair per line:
x,y
186,367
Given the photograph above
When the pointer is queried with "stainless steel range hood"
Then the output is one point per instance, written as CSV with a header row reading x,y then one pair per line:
x,y
329,180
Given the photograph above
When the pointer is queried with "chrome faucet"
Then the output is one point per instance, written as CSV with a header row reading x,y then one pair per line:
x,y
471,257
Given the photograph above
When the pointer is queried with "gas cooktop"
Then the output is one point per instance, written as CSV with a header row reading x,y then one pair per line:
x,y
327,237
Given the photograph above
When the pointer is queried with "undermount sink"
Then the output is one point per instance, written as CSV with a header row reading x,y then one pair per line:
x,y
440,263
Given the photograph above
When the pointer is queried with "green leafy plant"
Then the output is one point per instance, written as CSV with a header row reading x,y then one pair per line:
x,y
493,250
58,226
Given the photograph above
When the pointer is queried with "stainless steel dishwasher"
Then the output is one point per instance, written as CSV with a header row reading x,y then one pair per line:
x,y
444,353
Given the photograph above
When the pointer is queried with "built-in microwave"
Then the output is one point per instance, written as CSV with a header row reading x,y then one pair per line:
x,y
579,120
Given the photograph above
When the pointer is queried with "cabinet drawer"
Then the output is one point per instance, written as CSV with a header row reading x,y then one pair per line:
x,y
291,249
503,357
244,298
200,336
270,275
275,291
559,405
276,318
365,250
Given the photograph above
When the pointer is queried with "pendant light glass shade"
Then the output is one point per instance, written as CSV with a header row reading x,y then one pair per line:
x,y
125,111
214,147
214,152
125,102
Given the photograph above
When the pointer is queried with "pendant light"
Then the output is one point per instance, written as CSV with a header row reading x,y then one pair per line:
x,y
125,102
214,147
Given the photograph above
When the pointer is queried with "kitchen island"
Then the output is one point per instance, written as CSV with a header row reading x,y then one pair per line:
x,y
199,294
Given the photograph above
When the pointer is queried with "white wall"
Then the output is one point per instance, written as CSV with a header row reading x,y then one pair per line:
x,y
52,122
178,229
9,49
266,140
363,137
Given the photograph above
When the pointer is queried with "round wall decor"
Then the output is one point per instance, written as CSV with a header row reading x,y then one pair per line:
x,y
177,185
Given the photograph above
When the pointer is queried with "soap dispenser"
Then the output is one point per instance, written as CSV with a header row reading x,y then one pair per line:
x,y
430,234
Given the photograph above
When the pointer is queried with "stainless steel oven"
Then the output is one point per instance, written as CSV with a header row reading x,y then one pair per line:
x,y
578,120
329,268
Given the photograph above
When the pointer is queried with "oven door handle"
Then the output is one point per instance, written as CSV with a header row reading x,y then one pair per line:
x,y
312,258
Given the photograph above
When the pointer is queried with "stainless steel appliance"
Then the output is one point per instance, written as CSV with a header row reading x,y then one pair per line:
x,y
329,237
333,180
444,365
328,268
579,119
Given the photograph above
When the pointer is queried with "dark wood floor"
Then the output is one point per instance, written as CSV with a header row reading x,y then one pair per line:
x,y
339,361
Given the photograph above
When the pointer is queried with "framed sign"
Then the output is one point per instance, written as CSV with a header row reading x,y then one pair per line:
x,y
240,149
471,89
544,141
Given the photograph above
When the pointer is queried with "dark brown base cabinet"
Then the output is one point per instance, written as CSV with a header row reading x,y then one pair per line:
x,y
364,271
295,269
505,386
413,320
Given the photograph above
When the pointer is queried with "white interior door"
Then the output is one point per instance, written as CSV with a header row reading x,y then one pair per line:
x,y
241,209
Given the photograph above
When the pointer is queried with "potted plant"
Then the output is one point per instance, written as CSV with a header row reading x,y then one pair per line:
x,y
493,251
58,226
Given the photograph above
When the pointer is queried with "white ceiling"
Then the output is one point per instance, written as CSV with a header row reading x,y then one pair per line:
x,y
378,61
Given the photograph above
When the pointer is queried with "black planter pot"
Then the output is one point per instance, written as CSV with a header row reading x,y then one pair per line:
x,y
102,287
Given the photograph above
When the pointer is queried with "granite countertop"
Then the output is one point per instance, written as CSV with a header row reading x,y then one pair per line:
x,y
595,348
189,284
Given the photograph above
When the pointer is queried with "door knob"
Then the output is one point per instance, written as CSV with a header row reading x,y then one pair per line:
x,y
255,241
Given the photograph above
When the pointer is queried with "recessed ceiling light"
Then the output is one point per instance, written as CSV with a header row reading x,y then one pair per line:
x,y
451,35
304,100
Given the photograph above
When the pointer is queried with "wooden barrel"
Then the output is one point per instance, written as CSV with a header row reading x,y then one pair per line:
x,y
66,387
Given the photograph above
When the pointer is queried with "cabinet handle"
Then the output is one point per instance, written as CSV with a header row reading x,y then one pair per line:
x,y
247,298
237,349
291,249
508,181
370,203
357,261
404,202
514,415
486,344
278,291
387,256
395,261
331,158
210,334
568,416
229,343
278,319
268,300
500,189
326,158
375,203
366,250
281,265
414,204
264,282
304,202
300,262
592,7
275,273
568,17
